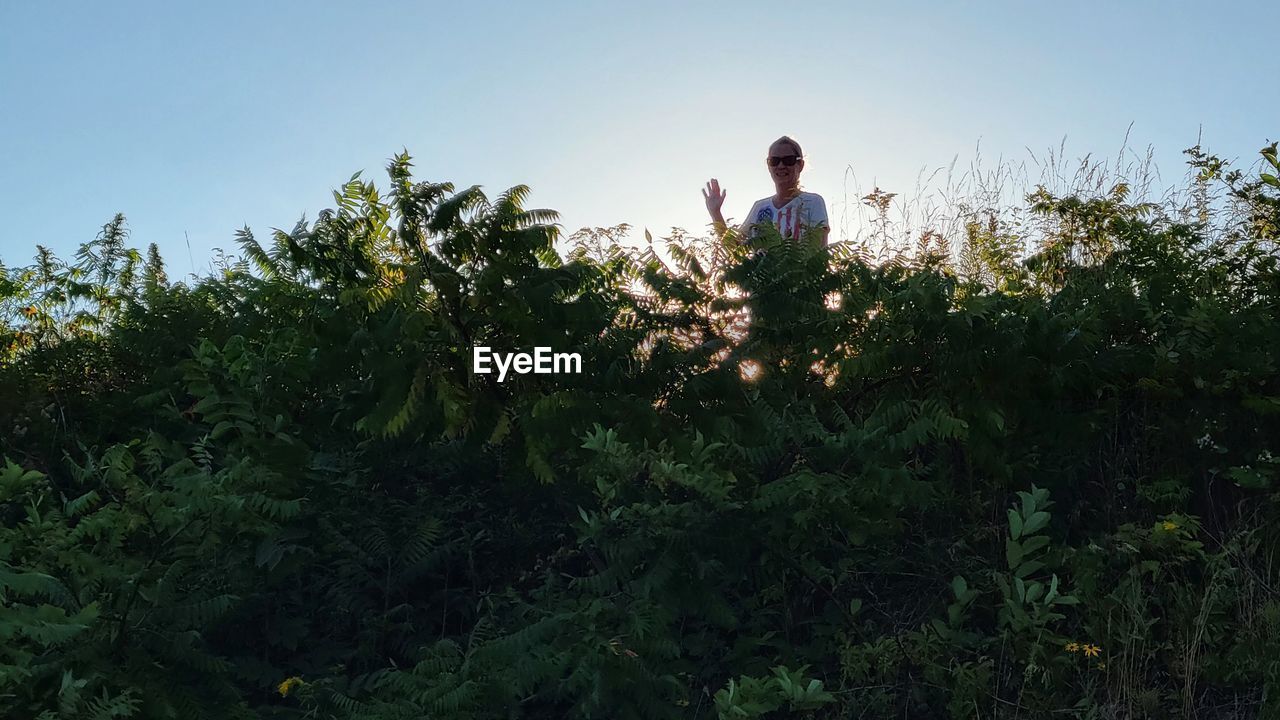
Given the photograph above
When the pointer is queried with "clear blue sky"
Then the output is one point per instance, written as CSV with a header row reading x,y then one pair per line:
x,y
205,117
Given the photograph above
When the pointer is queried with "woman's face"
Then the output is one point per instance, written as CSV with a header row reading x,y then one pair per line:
x,y
779,154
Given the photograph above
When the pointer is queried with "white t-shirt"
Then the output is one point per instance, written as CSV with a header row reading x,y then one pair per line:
x,y
804,211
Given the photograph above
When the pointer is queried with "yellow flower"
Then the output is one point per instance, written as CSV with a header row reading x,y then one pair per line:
x,y
1073,647
1102,666
1092,650
1169,526
288,685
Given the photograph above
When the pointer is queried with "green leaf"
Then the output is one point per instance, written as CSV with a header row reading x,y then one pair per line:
x,y
1248,478
500,429
74,508
1028,567
1012,553
1033,591
1028,504
221,428
1034,543
1036,522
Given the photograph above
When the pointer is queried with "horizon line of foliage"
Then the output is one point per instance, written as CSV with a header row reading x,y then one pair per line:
x,y
787,483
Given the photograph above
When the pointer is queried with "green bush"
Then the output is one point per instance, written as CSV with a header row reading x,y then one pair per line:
x,y
788,482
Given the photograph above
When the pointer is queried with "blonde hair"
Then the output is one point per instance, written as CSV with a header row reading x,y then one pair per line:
x,y
790,141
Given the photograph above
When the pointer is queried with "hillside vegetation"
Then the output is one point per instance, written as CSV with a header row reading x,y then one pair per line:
x,y
787,483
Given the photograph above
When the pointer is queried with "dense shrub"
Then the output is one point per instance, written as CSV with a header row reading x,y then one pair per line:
x,y
787,482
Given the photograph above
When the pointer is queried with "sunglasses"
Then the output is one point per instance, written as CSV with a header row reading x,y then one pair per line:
x,y
787,160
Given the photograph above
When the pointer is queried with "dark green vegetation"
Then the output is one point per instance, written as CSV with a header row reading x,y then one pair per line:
x,y
1040,488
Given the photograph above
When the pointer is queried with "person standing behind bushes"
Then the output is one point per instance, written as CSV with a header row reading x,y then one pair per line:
x,y
790,209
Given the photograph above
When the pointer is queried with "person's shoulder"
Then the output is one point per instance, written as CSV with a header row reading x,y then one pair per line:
x,y
815,203
814,207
